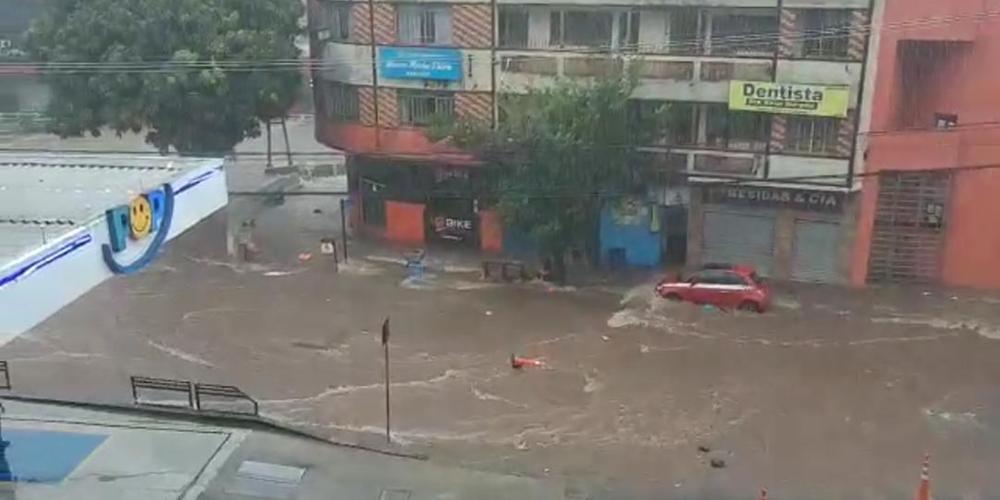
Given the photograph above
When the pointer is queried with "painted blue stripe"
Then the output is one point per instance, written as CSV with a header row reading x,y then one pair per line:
x,y
197,180
79,242
63,250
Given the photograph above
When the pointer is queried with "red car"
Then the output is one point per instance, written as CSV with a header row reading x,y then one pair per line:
x,y
721,285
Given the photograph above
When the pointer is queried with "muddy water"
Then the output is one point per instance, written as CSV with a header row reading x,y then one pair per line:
x,y
833,394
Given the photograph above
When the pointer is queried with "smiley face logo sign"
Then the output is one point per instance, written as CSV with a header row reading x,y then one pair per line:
x,y
147,214
141,217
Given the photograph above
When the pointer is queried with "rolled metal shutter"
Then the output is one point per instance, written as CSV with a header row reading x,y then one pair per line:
x,y
733,238
814,251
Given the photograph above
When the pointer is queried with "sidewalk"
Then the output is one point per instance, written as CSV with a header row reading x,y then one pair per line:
x,y
58,451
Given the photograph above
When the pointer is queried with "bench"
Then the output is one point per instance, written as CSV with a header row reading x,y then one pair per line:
x,y
161,384
509,270
222,391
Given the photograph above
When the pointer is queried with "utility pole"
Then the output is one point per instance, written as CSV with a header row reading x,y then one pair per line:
x,y
343,227
385,349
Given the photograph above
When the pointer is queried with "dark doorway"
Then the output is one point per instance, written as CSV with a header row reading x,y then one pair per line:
x,y
675,225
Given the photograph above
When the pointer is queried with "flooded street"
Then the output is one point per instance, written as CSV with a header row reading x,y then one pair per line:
x,y
833,395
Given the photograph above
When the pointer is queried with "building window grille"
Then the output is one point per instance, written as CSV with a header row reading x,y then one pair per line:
x,y
424,24
421,108
827,33
812,135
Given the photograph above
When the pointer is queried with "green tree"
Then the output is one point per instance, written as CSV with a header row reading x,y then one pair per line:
x,y
557,154
182,70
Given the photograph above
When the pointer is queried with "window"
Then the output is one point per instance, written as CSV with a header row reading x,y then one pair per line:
x,y
829,31
628,30
668,123
424,24
513,29
732,279
420,107
739,130
743,34
581,28
335,21
812,135
341,101
683,31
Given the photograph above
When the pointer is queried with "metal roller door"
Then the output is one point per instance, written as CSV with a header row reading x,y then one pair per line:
x,y
734,238
814,254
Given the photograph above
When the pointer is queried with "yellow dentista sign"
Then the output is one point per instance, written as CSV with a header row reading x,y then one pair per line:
x,y
789,98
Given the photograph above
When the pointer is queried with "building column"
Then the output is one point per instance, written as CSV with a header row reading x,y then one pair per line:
x,y
779,133
366,106
473,25
858,36
789,27
476,106
845,135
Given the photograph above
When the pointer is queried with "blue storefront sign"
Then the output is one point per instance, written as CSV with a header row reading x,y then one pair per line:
x,y
420,64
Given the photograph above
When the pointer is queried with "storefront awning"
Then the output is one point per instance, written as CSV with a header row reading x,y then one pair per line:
x,y
69,222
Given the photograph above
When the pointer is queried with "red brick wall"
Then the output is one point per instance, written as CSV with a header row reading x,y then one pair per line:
x,y
472,26
474,105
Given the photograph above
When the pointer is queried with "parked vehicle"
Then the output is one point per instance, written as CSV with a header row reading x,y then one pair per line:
x,y
725,286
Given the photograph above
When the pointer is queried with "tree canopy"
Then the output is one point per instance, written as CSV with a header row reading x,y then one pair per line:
x,y
197,75
557,153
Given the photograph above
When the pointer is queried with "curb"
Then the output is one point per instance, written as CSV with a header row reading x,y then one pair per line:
x,y
217,418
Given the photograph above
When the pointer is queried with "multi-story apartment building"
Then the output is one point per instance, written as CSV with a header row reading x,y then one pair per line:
x,y
930,199
758,155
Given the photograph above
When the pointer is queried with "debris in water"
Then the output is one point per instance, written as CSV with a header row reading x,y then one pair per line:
x,y
717,463
489,313
605,338
304,256
704,448
521,445
518,362
282,273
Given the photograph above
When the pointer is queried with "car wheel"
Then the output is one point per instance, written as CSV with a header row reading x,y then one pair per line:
x,y
673,297
750,306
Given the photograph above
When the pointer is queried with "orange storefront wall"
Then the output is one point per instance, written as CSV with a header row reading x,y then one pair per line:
x,y
404,222
490,232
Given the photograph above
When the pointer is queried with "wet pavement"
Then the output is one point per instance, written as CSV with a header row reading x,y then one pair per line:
x,y
835,394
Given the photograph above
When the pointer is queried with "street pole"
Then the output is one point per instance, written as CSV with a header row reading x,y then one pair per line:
x,y
385,348
343,226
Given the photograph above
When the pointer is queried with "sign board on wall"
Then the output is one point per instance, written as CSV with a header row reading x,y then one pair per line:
x,y
453,228
420,64
789,98
795,199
